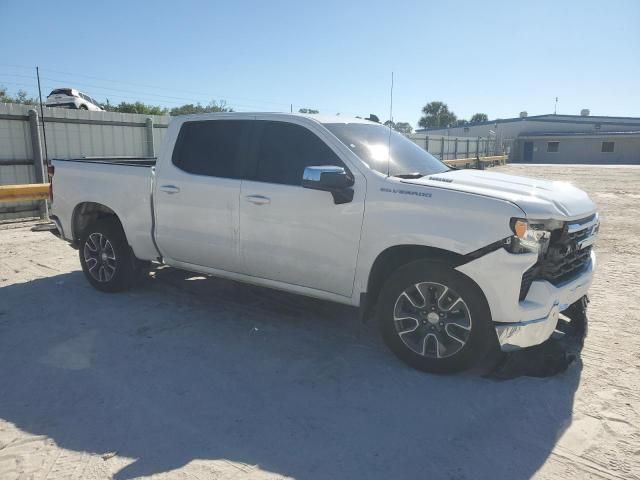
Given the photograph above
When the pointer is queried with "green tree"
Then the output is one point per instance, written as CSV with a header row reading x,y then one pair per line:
x,y
21,97
401,127
107,106
479,117
139,107
308,110
437,114
461,122
212,107
404,127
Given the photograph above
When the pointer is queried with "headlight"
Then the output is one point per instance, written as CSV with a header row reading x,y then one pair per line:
x,y
530,236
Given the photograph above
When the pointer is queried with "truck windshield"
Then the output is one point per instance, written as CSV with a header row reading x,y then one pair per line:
x,y
371,143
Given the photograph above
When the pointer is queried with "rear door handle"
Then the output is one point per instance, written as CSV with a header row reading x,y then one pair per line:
x,y
258,199
170,189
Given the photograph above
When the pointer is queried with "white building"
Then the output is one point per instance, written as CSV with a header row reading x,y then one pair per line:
x,y
594,148
559,138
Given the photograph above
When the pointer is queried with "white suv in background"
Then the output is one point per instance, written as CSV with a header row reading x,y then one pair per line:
x,y
71,98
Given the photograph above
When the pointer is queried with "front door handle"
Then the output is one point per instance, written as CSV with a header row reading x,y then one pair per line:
x,y
170,189
258,199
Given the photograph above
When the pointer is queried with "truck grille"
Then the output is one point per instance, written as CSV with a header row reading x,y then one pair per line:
x,y
569,266
567,256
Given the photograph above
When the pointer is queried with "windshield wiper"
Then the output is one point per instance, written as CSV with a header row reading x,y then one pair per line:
x,y
409,175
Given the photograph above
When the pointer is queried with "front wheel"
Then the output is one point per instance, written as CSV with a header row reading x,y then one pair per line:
x,y
434,318
106,258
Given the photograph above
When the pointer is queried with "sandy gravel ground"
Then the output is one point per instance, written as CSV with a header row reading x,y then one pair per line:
x,y
193,377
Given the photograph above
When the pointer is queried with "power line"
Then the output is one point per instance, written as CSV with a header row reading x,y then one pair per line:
x,y
243,99
2,82
17,75
139,95
136,96
16,66
253,102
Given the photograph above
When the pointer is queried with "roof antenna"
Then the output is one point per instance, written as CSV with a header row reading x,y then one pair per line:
x,y
390,126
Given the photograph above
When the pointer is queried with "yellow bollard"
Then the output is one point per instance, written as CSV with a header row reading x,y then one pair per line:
x,y
24,193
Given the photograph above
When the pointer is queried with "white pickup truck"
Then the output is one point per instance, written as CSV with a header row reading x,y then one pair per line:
x,y
452,262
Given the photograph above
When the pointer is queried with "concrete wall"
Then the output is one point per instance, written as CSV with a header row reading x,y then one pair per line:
x,y
69,133
579,149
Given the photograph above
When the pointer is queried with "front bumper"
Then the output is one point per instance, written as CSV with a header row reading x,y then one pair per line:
x,y
529,322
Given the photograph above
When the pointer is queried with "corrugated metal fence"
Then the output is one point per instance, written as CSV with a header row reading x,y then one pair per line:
x,y
69,133
81,133
451,148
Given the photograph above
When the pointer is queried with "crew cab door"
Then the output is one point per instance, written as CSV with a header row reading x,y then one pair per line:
x,y
293,234
197,194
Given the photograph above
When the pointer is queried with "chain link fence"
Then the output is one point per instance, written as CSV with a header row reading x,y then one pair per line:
x,y
452,148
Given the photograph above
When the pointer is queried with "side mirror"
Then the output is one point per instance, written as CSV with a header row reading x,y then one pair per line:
x,y
332,179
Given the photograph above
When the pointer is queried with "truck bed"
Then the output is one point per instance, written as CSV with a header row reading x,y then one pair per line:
x,y
123,184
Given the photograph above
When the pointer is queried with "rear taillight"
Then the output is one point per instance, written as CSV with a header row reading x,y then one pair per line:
x,y
50,171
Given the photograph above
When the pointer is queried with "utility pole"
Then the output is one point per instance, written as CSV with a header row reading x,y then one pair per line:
x,y
555,108
44,130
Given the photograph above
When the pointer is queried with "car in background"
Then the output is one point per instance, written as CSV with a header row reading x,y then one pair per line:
x,y
72,98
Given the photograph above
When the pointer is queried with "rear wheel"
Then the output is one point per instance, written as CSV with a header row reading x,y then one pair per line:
x,y
83,107
106,258
434,318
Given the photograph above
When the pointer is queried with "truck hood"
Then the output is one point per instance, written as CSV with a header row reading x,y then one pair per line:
x,y
539,199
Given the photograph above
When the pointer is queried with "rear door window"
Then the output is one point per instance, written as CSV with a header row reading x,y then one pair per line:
x,y
61,91
214,148
285,149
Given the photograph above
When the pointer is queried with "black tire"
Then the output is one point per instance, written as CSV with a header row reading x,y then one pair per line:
x,y
112,267
83,107
443,341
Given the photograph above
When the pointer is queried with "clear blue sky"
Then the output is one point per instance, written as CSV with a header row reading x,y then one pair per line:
x,y
337,56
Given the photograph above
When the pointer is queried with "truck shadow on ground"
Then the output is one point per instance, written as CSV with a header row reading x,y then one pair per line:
x,y
187,367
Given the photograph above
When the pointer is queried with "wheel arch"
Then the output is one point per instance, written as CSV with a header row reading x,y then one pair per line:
x,y
86,213
395,257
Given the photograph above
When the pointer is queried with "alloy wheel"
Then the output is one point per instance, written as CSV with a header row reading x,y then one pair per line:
x,y
99,257
432,320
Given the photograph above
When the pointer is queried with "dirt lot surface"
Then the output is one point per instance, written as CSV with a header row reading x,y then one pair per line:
x,y
194,377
